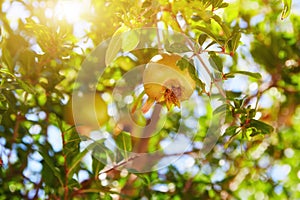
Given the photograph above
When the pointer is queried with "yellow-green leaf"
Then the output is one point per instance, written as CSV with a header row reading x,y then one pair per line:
x,y
123,141
286,8
115,45
130,40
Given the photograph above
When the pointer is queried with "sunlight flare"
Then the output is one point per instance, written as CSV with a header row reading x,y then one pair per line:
x,y
71,11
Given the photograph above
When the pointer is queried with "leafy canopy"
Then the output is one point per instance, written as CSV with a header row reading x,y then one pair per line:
x,y
252,48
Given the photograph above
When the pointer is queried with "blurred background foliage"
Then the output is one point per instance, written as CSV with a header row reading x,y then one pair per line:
x,y
255,47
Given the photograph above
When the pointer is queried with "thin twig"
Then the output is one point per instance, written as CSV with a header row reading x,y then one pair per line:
x,y
19,119
190,43
120,164
66,189
124,162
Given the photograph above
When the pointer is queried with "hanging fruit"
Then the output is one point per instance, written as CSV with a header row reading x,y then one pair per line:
x,y
164,82
91,112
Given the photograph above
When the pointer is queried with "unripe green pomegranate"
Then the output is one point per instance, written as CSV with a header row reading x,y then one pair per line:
x,y
91,112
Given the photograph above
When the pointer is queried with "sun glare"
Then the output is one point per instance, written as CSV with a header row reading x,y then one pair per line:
x,y
69,10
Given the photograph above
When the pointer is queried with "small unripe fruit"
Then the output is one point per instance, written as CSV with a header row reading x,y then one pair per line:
x,y
87,112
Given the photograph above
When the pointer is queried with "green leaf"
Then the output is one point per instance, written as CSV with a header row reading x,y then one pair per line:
x,y
5,71
286,8
75,159
145,178
238,102
202,38
216,62
51,165
224,5
183,63
224,26
200,85
76,162
216,3
178,47
130,40
262,126
235,135
251,74
231,130
106,196
195,17
168,19
97,166
232,94
123,141
73,183
7,58
221,109
3,104
234,41
210,44
207,32
28,88
115,45
99,155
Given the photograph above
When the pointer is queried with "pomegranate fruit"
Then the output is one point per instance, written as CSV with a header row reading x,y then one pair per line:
x,y
165,82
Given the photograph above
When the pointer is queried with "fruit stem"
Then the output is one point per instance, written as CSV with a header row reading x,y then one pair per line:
x,y
146,107
137,102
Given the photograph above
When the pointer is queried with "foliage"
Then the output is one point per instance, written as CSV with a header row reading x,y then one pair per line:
x,y
254,50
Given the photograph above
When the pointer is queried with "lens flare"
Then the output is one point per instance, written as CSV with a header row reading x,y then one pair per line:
x,y
71,11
